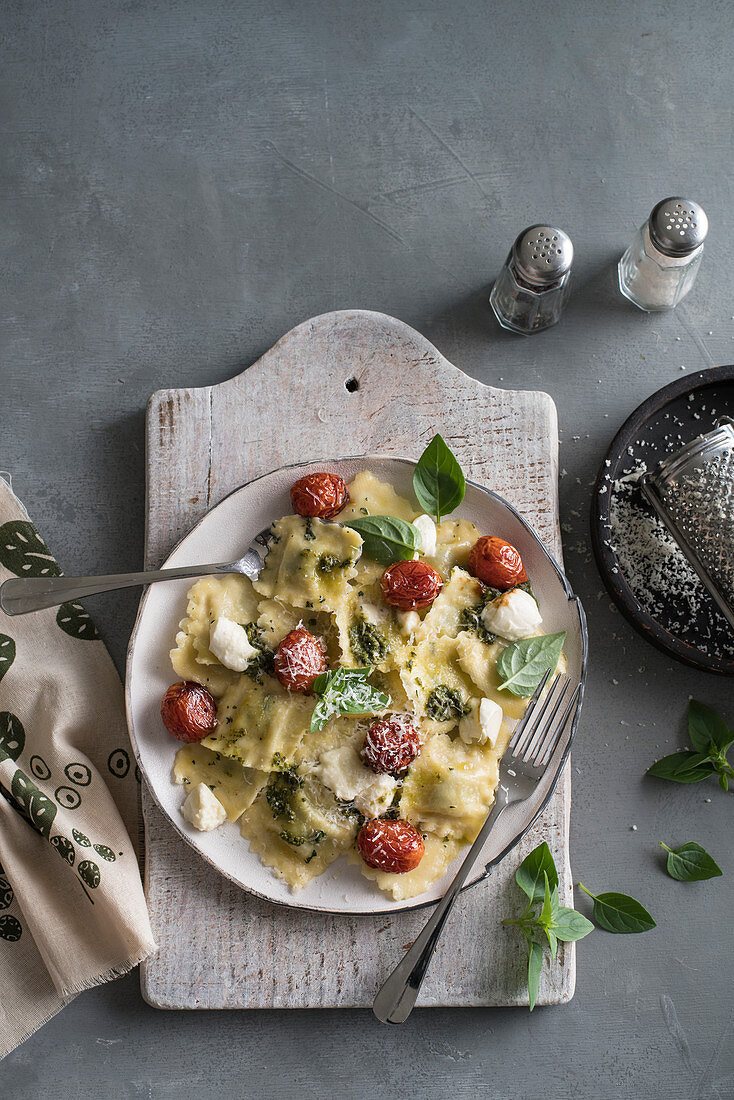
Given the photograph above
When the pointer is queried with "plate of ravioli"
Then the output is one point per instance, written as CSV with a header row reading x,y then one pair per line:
x,y
328,735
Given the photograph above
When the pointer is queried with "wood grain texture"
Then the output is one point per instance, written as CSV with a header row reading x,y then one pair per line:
x,y
220,947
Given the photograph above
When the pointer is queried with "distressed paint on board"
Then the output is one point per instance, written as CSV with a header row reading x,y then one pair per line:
x,y
220,947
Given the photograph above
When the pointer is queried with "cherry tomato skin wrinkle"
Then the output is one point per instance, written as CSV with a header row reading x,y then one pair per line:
x,y
391,744
496,563
392,846
299,659
188,711
410,585
320,495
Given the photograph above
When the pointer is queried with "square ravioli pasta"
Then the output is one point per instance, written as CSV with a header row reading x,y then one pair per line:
x,y
302,786
297,827
310,563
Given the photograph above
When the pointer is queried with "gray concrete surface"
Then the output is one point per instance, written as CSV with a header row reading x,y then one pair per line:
x,y
182,183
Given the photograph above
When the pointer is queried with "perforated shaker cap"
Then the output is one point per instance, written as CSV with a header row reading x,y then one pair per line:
x,y
678,226
542,254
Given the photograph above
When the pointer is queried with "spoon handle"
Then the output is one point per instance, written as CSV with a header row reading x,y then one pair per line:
x,y
19,595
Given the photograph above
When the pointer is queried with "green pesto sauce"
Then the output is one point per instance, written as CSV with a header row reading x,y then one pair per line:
x,y
327,563
263,662
297,841
279,793
471,619
444,703
369,645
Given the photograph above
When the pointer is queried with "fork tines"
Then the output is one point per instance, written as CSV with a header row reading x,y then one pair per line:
x,y
537,733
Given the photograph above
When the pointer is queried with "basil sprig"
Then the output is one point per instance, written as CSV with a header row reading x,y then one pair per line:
x,y
345,691
690,863
710,740
386,539
438,480
537,877
619,913
522,665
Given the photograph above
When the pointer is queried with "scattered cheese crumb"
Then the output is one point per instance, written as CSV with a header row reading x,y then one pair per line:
x,y
482,723
342,771
203,809
229,643
427,528
512,615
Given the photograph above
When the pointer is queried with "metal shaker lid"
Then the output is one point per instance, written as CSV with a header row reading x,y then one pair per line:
x,y
542,254
678,226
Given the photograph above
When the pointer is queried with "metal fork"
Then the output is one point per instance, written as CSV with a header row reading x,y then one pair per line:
x,y
19,595
531,747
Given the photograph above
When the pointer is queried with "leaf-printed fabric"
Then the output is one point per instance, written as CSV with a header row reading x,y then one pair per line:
x,y
72,909
74,620
23,551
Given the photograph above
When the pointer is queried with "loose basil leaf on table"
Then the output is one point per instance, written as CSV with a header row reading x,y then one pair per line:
x,y
710,737
690,863
706,729
345,691
438,480
569,925
529,875
535,967
522,665
538,879
386,539
683,767
619,912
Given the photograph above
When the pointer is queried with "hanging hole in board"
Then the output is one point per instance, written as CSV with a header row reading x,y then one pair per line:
x,y
351,385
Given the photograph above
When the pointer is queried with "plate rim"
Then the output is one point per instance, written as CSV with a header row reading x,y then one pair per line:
x,y
616,584
584,638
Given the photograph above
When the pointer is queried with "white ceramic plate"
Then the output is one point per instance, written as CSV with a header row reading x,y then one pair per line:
x,y
223,535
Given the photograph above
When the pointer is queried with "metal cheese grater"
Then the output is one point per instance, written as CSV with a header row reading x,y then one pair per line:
x,y
693,493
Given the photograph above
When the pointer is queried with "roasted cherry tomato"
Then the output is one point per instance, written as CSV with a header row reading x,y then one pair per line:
x,y
299,659
188,711
496,562
393,846
321,495
410,585
391,744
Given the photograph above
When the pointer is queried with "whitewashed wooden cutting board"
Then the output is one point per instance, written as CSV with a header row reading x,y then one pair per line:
x,y
351,382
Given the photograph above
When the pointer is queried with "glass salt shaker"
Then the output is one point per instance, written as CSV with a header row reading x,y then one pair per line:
x,y
532,288
660,266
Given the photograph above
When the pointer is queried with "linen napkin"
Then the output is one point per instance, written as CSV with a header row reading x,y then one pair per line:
x,y
72,909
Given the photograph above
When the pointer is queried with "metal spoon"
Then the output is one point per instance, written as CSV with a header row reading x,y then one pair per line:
x,y
19,595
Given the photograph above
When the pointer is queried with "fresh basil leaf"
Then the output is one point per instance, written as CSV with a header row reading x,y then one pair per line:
x,y
568,925
552,940
345,691
386,539
529,875
535,966
706,727
691,863
340,676
545,912
619,913
522,665
438,480
683,767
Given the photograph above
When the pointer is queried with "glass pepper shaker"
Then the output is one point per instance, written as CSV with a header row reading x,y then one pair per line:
x,y
532,288
660,266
